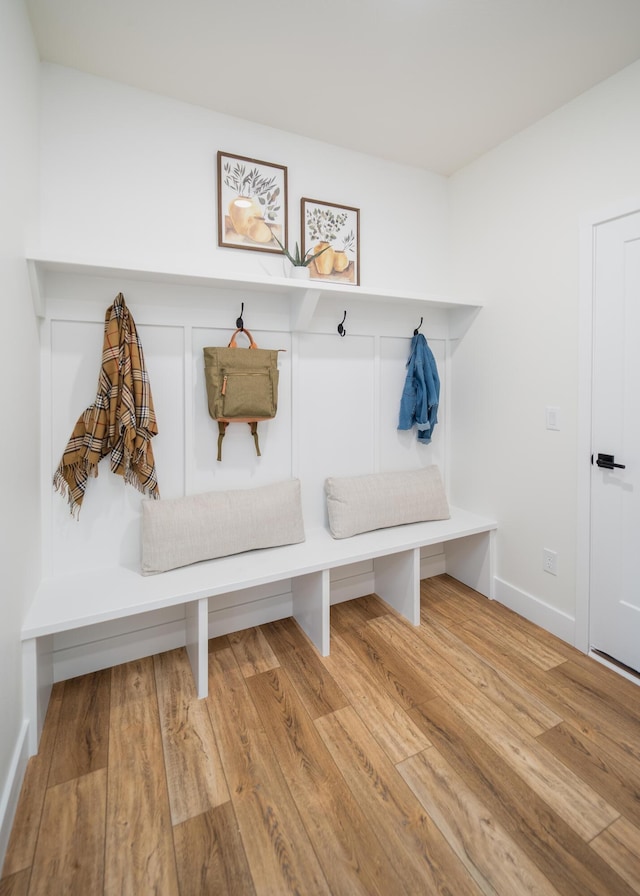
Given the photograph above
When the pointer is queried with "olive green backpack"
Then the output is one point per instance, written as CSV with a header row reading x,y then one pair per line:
x,y
242,385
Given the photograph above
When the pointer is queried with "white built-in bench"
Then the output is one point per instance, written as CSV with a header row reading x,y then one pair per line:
x,y
69,602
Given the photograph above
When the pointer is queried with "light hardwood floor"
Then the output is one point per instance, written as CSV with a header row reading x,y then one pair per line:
x,y
473,754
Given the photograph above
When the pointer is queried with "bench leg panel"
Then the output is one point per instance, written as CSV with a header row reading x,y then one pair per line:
x,y
397,582
37,681
311,609
197,625
471,561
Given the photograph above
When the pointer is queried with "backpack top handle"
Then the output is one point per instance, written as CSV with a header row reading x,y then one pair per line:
x,y
234,344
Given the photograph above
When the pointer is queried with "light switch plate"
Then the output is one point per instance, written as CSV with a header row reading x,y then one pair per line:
x,y
553,418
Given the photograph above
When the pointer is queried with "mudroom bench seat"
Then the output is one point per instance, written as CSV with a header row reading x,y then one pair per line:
x,y
69,602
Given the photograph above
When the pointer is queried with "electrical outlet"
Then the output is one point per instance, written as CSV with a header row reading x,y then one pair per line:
x,y
550,561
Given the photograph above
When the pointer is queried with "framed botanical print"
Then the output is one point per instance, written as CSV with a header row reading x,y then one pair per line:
x,y
333,231
252,203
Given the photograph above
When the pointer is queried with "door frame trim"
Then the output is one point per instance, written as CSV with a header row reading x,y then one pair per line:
x,y
588,227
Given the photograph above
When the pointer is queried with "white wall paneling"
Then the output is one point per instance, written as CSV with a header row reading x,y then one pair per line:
x,y
108,529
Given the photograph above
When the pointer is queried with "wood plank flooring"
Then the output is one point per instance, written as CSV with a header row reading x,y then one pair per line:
x,y
474,754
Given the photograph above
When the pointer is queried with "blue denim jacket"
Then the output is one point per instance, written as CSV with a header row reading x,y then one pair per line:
x,y
421,393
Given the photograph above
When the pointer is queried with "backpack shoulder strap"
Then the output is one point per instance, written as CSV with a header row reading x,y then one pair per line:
x,y
222,431
254,433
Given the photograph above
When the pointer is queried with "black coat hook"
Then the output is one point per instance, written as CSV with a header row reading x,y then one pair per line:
x,y
341,328
239,321
415,332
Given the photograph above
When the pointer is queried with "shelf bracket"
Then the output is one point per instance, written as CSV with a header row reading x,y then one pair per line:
x,y
460,320
36,282
302,311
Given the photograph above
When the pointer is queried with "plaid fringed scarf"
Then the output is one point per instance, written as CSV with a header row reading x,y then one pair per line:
x,y
121,421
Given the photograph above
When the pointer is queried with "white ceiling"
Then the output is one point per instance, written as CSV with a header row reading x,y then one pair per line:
x,y
429,83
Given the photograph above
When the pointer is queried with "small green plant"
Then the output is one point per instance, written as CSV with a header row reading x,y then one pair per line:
x,y
298,260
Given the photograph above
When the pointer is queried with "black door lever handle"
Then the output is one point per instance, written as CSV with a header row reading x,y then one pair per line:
x,y
606,461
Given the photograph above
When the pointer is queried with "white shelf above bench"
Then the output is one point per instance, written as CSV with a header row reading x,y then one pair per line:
x,y
303,295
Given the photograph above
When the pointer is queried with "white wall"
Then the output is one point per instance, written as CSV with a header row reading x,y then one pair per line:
x,y
19,445
130,176
516,215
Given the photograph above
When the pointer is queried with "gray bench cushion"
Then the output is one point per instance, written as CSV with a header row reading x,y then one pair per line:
x,y
378,500
180,531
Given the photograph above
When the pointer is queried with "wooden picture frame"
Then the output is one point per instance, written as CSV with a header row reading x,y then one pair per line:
x,y
338,226
252,203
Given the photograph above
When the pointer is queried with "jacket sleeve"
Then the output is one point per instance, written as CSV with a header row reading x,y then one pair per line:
x,y
409,398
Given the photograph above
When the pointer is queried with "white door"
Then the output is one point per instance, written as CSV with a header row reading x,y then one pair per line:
x,y
614,624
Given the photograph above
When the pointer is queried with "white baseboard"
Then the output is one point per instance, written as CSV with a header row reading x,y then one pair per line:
x,y
535,610
238,617
435,565
12,787
83,658
351,587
